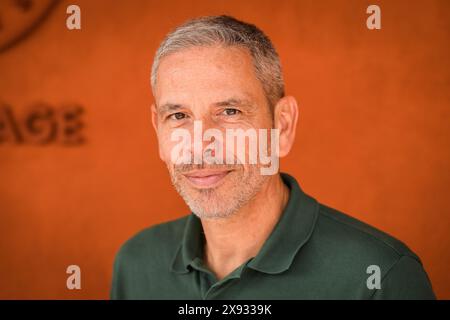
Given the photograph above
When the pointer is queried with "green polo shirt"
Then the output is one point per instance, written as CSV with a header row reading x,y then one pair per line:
x,y
313,252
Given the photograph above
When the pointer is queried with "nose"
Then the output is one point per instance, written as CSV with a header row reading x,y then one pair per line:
x,y
207,144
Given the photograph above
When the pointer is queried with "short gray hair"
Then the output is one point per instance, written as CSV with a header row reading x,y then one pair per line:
x,y
228,31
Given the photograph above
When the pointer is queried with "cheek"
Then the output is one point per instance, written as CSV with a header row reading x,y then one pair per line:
x,y
165,146
175,146
169,150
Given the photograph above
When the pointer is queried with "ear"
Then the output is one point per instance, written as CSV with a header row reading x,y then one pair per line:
x,y
155,127
285,119
154,117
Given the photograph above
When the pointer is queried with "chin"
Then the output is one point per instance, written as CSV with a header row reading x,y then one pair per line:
x,y
211,207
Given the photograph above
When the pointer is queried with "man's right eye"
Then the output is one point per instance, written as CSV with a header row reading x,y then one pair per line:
x,y
177,116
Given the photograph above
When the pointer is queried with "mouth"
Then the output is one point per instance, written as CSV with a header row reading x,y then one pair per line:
x,y
206,178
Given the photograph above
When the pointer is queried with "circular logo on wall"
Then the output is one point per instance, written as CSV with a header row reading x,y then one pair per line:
x,y
19,18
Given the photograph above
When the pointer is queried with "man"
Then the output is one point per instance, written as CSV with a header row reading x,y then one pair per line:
x,y
251,235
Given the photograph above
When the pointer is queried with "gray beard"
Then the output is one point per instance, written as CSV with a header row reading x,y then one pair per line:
x,y
210,204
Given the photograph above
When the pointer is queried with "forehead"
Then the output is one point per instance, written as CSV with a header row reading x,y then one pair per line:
x,y
203,74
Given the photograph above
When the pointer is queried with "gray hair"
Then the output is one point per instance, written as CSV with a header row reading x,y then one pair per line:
x,y
228,31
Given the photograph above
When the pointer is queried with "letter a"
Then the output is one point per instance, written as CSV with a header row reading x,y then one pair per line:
x,y
374,20
74,20
74,280
374,281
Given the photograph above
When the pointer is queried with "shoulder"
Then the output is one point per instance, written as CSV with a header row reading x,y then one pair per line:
x,y
144,258
158,241
360,237
353,249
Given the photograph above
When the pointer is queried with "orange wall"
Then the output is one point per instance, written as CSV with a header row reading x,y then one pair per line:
x,y
373,138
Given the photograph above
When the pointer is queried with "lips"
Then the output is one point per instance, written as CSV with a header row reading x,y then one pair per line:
x,y
206,178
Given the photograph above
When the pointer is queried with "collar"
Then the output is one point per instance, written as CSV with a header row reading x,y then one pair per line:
x,y
291,232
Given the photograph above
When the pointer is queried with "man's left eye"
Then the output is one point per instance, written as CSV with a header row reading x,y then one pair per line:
x,y
231,112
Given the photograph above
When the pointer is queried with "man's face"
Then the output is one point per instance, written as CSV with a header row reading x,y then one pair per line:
x,y
217,86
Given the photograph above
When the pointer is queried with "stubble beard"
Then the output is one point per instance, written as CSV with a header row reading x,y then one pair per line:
x,y
238,188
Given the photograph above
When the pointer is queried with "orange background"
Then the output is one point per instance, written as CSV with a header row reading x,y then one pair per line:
x,y
373,137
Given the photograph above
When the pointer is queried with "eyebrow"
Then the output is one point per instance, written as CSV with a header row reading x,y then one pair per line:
x,y
169,107
233,102
244,103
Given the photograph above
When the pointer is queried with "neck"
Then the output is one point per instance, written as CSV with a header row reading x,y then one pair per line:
x,y
234,240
